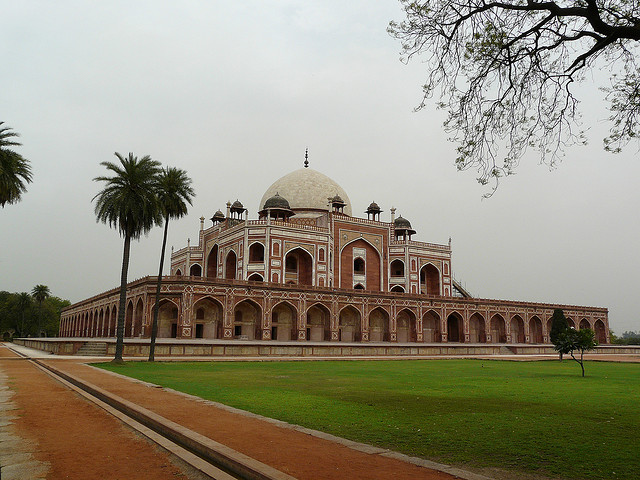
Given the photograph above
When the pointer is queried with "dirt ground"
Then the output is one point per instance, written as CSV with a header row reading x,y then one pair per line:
x,y
78,440
81,441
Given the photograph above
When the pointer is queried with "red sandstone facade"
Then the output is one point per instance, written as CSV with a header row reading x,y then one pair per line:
x,y
308,271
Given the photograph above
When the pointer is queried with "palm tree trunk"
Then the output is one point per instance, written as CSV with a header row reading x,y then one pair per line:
x,y
156,307
123,300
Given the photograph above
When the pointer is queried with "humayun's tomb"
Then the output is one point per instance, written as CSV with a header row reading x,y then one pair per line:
x,y
309,270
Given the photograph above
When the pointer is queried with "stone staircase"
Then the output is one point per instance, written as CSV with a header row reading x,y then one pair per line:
x,y
504,350
93,349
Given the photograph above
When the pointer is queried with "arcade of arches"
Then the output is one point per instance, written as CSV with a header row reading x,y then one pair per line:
x,y
258,311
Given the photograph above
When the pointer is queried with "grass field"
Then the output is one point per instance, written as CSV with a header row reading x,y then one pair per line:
x,y
538,417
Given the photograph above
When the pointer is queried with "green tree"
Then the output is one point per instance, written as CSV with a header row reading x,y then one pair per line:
x,y
128,203
174,194
15,171
559,325
505,72
23,303
572,340
40,293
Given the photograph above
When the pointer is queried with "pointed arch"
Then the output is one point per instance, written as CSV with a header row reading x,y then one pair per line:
x,y
379,325
498,329
256,252
349,322
406,326
397,288
212,262
429,279
284,316
455,328
517,329
396,268
535,330
371,277
255,277
178,273
207,321
195,270
231,265
167,319
298,267
477,331
584,324
601,332
128,319
318,323
247,320
431,327
137,318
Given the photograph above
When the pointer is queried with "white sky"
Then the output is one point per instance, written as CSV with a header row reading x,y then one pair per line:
x,y
233,92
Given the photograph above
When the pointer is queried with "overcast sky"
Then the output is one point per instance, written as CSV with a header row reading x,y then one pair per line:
x,y
233,92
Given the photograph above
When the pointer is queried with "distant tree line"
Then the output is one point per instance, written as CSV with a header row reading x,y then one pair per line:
x,y
627,338
34,314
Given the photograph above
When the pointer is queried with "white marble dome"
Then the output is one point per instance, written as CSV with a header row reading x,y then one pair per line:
x,y
306,189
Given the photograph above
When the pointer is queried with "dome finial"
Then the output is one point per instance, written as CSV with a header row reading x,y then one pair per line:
x,y
306,157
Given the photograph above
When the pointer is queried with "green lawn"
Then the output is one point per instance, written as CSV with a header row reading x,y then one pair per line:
x,y
538,417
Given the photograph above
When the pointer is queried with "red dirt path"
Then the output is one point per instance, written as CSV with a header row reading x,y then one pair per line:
x,y
82,441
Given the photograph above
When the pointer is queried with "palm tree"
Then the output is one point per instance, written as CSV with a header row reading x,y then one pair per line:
x,y
23,302
128,203
40,293
174,193
15,171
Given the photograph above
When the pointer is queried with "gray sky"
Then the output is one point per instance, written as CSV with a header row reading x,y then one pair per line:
x,y
233,92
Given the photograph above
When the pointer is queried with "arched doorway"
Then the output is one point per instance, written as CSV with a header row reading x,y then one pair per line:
x,y
349,325
431,327
212,263
208,318
535,330
137,319
397,288
256,253
455,328
318,323
584,324
396,268
379,325
284,322
196,270
256,277
247,321
128,320
298,267
429,280
498,330
167,319
517,329
406,326
601,332
230,265
571,323
477,329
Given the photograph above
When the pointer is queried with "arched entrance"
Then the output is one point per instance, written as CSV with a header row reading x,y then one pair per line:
x,y
247,321
128,320
283,322
167,319
535,330
378,325
584,324
256,253
318,323
406,326
455,328
431,327
349,325
212,263
517,329
137,319
429,280
196,270
298,267
230,265
396,268
207,321
477,329
601,332
498,330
